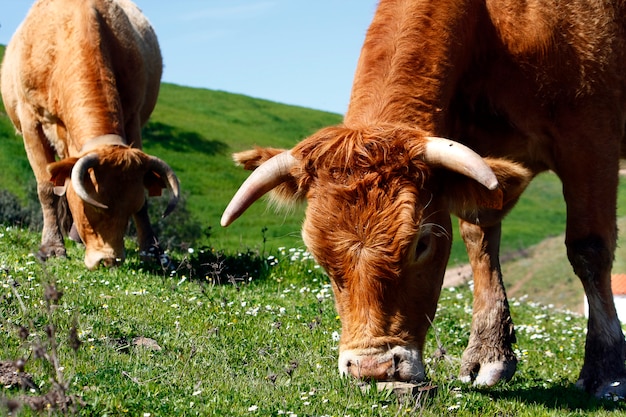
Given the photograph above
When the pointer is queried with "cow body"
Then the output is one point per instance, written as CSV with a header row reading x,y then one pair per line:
x,y
526,87
79,79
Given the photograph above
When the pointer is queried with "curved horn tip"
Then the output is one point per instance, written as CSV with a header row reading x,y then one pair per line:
x,y
225,221
228,218
486,178
170,207
492,183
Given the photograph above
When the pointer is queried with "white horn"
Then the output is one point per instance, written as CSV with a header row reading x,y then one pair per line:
x,y
459,158
165,171
266,177
79,177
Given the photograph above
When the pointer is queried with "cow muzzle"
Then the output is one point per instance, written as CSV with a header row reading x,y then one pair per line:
x,y
397,364
94,259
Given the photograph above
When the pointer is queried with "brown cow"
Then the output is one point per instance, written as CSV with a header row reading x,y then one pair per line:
x,y
79,79
521,87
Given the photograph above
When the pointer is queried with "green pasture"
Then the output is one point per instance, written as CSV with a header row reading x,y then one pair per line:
x,y
137,341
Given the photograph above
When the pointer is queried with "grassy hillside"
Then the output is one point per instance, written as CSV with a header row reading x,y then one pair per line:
x,y
196,131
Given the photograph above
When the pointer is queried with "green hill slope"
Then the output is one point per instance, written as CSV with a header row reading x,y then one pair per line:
x,y
196,131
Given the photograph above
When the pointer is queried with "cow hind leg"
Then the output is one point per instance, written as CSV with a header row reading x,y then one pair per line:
x,y
590,191
489,356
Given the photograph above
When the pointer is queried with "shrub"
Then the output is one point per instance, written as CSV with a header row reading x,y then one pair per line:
x,y
178,230
14,213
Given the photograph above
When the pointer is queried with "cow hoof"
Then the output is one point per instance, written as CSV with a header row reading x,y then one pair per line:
x,y
50,251
614,390
488,374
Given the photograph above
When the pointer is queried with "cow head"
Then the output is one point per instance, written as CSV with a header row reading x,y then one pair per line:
x,y
104,188
378,221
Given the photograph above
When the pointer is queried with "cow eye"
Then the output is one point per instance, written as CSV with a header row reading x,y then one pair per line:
x,y
422,246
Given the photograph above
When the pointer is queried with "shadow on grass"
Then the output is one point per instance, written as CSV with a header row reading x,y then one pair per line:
x,y
216,267
564,397
177,140
211,266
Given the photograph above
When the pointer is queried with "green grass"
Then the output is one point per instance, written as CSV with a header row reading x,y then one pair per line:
x,y
262,346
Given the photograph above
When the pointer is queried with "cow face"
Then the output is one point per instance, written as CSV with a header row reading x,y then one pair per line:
x,y
105,188
378,221
384,243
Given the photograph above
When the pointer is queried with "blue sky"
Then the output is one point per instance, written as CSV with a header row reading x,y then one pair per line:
x,y
301,52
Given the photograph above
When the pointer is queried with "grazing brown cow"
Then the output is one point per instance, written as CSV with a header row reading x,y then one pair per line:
x,y
521,87
79,79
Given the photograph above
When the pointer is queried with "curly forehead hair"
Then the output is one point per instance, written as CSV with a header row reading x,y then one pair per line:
x,y
352,153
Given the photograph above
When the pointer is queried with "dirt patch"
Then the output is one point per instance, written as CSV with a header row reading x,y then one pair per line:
x,y
458,275
56,399
10,376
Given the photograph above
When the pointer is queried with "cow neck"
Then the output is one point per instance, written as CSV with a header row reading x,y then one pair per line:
x,y
405,74
104,140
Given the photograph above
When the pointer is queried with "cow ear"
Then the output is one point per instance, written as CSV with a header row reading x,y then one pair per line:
x,y
253,158
473,202
60,172
154,184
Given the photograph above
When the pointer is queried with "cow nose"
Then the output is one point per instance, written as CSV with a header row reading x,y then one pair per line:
x,y
93,260
397,364
110,262
107,257
368,367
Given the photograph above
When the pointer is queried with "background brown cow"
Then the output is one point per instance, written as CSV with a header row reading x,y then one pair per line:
x,y
79,79
522,87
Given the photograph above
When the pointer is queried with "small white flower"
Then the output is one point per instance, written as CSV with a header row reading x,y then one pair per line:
x,y
253,408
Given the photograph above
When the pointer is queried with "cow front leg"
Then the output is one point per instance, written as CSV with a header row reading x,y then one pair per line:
x,y
40,154
51,237
489,356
